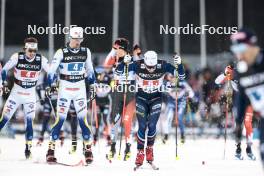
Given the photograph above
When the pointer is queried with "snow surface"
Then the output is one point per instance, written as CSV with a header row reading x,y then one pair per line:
x,y
191,156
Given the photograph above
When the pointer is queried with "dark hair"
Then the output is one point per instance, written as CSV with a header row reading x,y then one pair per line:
x,y
122,43
30,40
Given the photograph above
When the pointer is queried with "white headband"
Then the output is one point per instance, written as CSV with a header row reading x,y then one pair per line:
x,y
31,45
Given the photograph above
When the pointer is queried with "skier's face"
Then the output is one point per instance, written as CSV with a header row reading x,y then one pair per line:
x,y
249,55
30,53
75,43
120,52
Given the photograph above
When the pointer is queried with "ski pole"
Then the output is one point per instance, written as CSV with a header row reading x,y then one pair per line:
x,y
176,112
228,102
123,112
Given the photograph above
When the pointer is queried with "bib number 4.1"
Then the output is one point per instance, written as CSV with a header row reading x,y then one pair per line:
x,y
75,67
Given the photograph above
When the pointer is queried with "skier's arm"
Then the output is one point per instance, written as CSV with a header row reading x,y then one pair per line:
x,y
220,79
172,70
89,68
54,65
110,58
121,67
189,90
9,65
45,64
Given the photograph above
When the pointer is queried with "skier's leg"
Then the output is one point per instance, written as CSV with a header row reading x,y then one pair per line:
x,y
115,118
74,126
168,119
129,113
9,109
142,111
181,112
248,125
155,109
29,111
81,110
45,120
63,105
130,110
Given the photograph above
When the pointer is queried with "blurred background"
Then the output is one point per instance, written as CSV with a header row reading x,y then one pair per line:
x,y
204,56
137,20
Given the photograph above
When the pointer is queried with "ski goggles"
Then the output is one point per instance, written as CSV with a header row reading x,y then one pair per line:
x,y
31,45
32,51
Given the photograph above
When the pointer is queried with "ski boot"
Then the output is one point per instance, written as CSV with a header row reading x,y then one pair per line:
x,y
127,152
28,149
112,151
40,141
50,157
238,154
149,154
165,139
87,151
182,139
140,157
250,154
73,146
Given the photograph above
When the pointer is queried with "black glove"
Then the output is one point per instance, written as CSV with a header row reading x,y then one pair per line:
x,y
92,92
49,91
41,101
6,89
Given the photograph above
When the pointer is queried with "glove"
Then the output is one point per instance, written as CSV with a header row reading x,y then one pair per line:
x,y
92,91
41,101
49,91
177,60
127,59
6,90
229,70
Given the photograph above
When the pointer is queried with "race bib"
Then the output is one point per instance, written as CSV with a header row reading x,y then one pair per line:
x,y
28,74
75,67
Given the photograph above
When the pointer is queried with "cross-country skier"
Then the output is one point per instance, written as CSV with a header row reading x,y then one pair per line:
x,y
184,92
103,101
250,68
222,79
137,52
149,74
75,67
27,67
114,58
